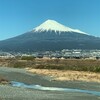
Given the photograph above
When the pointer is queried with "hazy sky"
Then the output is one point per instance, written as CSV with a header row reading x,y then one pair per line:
x,y
20,16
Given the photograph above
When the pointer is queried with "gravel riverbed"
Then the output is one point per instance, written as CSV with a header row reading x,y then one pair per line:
x,y
7,92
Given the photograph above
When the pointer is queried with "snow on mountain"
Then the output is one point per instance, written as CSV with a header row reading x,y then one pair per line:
x,y
52,25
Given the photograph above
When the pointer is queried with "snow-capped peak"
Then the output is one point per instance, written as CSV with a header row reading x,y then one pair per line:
x,y
51,25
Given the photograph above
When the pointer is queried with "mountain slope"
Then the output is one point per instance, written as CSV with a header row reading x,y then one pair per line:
x,y
50,36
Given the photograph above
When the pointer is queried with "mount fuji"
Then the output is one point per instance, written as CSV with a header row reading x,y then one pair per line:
x,y
51,25
50,35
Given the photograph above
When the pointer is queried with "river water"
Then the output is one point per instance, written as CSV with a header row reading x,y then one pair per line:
x,y
39,87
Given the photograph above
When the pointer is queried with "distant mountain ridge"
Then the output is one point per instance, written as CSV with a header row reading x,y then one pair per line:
x,y
52,36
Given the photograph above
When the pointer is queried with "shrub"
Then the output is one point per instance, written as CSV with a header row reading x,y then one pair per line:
x,y
27,58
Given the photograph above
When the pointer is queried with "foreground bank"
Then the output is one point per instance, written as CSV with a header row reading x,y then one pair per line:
x,y
7,92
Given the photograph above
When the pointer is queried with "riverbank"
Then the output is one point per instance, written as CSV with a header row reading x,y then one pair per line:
x,y
7,92
63,75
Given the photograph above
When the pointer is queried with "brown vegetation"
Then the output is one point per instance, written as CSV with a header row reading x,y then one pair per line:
x,y
61,69
59,64
67,64
68,75
3,81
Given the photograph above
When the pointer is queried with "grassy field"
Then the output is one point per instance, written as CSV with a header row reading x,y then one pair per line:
x,y
59,69
59,64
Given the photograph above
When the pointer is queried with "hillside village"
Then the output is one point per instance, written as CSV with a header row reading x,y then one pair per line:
x,y
63,54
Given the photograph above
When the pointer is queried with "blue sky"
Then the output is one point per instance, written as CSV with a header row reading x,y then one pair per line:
x,y
20,16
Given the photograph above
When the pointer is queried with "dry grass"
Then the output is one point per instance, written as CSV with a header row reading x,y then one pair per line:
x,y
68,75
3,80
58,64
